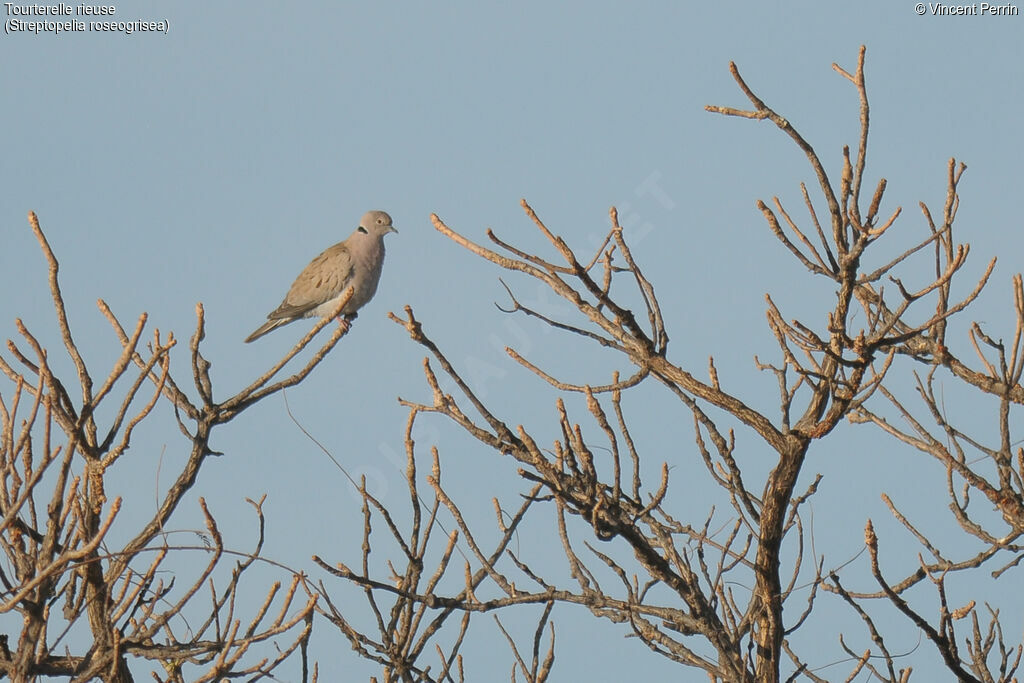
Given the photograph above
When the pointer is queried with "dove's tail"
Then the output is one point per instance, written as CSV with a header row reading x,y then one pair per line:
x,y
266,327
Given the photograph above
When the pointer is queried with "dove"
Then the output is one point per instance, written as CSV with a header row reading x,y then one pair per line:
x,y
318,289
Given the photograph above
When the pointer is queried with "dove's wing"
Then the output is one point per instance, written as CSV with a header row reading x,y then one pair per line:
x,y
323,279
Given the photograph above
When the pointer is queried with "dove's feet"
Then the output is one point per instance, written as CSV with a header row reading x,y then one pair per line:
x,y
345,321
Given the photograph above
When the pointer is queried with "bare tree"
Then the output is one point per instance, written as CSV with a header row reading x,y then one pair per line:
x,y
63,576
676,593
671,583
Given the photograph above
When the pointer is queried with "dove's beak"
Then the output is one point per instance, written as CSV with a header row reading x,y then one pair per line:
x,y
393,229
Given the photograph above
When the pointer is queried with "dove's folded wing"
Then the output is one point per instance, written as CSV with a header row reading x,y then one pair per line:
x,y
323,279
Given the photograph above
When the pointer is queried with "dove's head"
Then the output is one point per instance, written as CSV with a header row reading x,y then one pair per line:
x,y
376,224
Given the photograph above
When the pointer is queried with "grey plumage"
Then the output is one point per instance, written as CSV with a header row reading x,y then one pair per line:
x,y
356,262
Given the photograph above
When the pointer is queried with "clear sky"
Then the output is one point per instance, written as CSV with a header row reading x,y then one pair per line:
x,y
212,162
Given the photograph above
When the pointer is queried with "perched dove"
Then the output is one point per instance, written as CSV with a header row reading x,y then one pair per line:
x,y
318,289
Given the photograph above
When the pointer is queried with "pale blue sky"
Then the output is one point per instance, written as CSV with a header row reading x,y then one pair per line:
x,y
210,164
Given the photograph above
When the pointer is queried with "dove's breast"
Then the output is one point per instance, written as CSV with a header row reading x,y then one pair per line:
x,y
366,268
